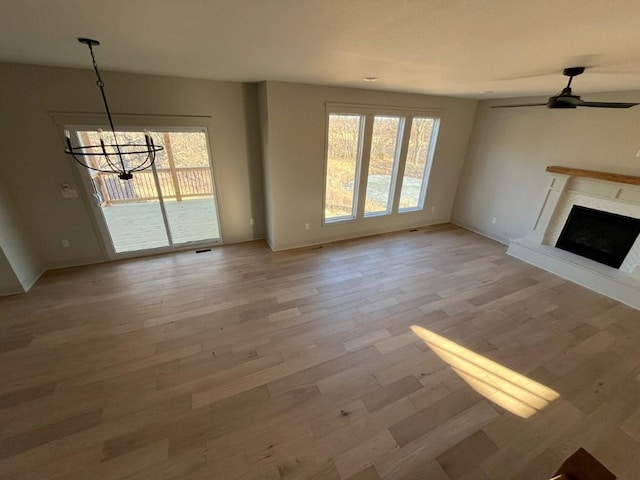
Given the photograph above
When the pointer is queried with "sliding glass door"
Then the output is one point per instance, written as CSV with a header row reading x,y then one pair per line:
x,y
171,205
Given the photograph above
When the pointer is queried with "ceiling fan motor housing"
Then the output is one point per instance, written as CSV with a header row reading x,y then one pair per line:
x,y
556,102
573,71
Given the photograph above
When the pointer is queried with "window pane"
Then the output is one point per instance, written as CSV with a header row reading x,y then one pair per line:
x,y
381,164
131,208
415,170
185,177
343,152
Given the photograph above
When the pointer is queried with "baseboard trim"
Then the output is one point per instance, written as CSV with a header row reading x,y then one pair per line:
x,y
11,292
80,262
480,231
339,238
241,239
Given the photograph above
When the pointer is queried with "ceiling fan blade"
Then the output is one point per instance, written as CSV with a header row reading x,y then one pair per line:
x,y
614,72
607,104
528,75
520,105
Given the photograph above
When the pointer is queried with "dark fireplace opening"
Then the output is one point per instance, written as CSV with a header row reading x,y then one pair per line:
x,y
601,236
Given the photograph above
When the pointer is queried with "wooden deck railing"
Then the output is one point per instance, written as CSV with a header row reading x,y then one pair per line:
x,y
175,183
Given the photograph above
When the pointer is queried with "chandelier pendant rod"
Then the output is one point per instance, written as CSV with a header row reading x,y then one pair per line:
x,y
100,84
112,153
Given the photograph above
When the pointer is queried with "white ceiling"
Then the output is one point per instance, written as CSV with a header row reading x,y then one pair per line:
x,y
444,47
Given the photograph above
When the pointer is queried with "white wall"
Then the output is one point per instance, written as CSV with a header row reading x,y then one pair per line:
x,y
34,166
294,161
504,172
9,283
19,264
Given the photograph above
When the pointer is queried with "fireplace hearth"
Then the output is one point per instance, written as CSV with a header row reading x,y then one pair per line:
x,y
601,236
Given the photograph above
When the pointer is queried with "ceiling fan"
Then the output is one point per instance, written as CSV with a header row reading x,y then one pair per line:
x,y
565,99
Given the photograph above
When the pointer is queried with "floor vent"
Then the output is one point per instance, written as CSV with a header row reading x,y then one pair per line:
x,y
203,250
316,247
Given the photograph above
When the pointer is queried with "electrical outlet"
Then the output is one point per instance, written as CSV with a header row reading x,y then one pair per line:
x,y
433,209
494,220
65,243
251,221
638,154
306,226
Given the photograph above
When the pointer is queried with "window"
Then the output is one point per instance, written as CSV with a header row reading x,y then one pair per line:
x,y
377,163
343,162
417,164
383,163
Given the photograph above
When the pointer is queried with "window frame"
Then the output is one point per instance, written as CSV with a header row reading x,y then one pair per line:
x,y
356,182
368,114
394,169
427,165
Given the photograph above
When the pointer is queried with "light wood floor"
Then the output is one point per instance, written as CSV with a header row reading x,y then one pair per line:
x,y
246,364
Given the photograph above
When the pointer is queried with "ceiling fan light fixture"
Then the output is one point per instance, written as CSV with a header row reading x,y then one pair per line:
x,y
122,159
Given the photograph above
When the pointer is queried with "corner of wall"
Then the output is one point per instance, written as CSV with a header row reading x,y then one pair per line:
x,y
263,115
18,252
466,160
29,279
493,236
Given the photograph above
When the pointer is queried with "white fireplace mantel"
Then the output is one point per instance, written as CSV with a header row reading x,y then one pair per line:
x,y
608,192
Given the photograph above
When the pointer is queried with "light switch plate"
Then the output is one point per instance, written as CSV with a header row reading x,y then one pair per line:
x,y
68,192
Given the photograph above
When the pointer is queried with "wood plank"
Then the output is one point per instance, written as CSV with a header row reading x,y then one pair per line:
x,y
357,459
390,393
606,176
464,456
436,441
426,420
268,375
24,441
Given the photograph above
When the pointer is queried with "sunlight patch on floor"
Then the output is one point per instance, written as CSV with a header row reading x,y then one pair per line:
x,y
511,390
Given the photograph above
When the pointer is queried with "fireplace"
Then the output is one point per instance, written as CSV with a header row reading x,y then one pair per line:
x,y
587,231
601,236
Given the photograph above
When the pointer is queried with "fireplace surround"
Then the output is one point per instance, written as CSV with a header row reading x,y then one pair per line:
x,y
611,196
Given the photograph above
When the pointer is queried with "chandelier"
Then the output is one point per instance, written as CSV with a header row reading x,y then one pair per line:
x,y
120,158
